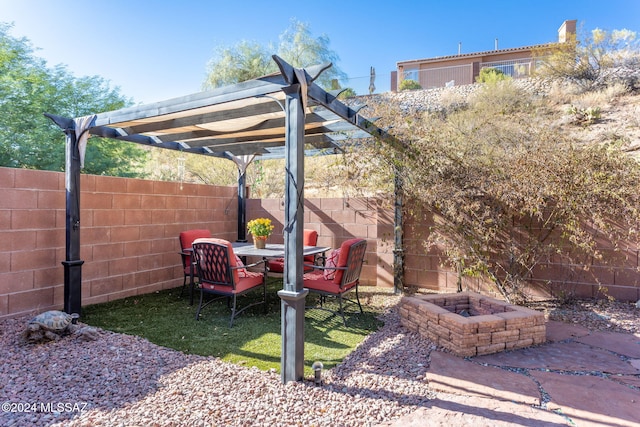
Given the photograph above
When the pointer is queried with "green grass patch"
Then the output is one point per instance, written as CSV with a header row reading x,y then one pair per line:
x,y
166,318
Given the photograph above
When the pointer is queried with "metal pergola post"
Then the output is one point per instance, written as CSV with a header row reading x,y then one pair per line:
x,y
242,162
242,205
398,227
76,134
293,293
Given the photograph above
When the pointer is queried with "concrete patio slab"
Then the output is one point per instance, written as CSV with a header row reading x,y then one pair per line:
x,y
452,374
570,356
591,400
625,344
472,411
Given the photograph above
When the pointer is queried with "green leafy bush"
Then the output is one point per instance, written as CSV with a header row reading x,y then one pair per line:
x,y
409,84
491,75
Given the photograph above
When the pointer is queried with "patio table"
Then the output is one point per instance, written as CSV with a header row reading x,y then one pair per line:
x,y
272,250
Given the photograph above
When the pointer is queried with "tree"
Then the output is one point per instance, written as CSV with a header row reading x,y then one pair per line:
x,y
505,190
248,60
600,55
28,89
244,61
171,165
23,78
300,49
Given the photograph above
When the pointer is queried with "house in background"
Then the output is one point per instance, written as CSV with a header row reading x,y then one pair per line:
x,y
462,69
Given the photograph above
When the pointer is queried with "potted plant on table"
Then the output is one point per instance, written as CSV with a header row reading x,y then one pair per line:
x,y
260,229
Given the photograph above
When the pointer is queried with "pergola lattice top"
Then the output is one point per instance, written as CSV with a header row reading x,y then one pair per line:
x,y
243,119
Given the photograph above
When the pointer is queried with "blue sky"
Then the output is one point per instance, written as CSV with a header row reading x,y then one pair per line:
x,y
156,50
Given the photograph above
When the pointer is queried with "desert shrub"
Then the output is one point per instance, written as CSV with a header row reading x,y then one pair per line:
x,y
409,84
347,93
562,92
499,97
602,96
600,57
584,116
491,75
451,100
476,174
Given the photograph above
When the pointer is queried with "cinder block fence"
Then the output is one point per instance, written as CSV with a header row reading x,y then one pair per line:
x,y
129,234
129,240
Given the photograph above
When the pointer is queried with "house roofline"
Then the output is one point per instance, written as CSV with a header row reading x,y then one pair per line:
x,y
478,54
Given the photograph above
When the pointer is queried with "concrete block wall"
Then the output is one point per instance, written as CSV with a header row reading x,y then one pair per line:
x,y
616,274
130,228
129,235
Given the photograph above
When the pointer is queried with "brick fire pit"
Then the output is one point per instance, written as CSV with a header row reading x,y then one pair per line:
x,y
470,324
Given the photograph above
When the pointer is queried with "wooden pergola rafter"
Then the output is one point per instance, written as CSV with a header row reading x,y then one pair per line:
x,y
282,115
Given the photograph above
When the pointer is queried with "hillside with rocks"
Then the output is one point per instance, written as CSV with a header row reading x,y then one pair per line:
x,y
618,102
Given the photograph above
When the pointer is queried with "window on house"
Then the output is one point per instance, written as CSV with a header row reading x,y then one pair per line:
x,y
411,74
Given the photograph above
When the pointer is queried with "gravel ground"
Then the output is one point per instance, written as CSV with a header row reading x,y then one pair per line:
x,y
121,380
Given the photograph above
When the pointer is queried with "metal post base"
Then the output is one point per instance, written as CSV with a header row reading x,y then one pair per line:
x,y
73,286
292,334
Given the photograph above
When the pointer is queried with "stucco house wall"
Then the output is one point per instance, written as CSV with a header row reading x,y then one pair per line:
x,y
463,69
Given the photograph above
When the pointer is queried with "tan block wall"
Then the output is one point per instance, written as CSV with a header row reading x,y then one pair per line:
x,y
617,274
130,246
129,235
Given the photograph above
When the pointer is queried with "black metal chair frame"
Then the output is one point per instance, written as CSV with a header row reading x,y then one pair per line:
x,y
351,274
184,256
222,276
193,277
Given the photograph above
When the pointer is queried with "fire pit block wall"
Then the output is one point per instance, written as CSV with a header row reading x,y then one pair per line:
x,y
470,324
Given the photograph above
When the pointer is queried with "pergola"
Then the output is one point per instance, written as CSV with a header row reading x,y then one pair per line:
x,y
276,116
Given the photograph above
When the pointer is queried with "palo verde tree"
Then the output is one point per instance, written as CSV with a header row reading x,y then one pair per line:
x,y
501,189
28,88
598,58
248,60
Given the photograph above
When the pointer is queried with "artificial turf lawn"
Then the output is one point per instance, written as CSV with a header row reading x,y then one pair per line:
x,y
166,318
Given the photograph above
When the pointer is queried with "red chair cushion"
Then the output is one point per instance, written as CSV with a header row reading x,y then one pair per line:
x,y
277,265
316,281
332,261
186,241
242,272
310,238
242,284
345,248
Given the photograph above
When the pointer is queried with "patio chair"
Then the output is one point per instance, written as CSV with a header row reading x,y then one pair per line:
x,y
310,238
222,273
186,240
338,280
